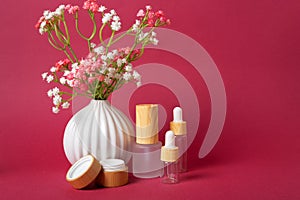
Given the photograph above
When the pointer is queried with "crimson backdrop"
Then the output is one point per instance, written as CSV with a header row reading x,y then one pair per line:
x,y
256,46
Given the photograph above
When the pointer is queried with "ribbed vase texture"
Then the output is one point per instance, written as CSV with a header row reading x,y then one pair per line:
x,y
98,129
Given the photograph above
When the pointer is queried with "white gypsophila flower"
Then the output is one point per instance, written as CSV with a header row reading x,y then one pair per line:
x,y
128,68
142,36
73,71
49,16
46,13
59,10
106,18
41,31
93,45
136,75
115,25
66,73
102,70
124,60
103,57
126,76
43,24
63,80
138,84
154,41
75,65
115,52
55,91
110,55
153,34
50,93
55,110
119,62
42,27
101,8
107,80
49,78
111,72
116,18
44,75
104,64
70,83
53,69
135,27
148,7
99,50
57,100
65,105
113,12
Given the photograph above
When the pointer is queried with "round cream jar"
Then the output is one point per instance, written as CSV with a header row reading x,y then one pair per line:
x,y
114,173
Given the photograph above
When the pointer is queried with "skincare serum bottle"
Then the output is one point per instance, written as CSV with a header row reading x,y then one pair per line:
x,y
146,152
178,126
169,154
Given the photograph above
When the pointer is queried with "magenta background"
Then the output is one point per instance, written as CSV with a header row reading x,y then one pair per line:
x,y
256,47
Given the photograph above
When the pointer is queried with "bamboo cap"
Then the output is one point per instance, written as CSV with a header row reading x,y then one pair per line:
x,y
83,172
169,154
179,128
147,123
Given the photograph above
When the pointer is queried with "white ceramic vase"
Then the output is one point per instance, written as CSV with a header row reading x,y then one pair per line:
x,y
98,129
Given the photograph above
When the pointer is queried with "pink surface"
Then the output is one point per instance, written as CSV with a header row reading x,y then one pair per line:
x,y
256,47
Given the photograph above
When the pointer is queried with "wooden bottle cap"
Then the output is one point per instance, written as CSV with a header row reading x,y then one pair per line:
x,y
147,124
114,173
83,172
178,128
169,154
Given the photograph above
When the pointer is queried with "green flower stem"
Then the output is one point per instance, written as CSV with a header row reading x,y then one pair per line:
x,y
77,29
110,40
92,16
66,28
68,55
100,35
88,39
73,54
66,93
121,36
59,35
53,43
136,42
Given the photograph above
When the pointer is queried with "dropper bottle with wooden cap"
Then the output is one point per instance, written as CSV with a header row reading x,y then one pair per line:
x,y
146,152
178,126
169,154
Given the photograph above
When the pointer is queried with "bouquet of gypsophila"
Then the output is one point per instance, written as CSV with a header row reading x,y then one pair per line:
x,y
103,70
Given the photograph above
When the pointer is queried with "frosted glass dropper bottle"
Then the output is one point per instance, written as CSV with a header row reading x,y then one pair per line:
x,y
146,151
178,126
169,154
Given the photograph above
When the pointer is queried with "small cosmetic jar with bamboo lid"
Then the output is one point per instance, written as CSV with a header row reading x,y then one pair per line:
x,y
83,172
114,173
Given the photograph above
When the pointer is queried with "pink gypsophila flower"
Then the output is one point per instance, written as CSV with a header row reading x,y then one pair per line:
x,y
148,7
91,5
141,13
38,24
61,64
71,9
